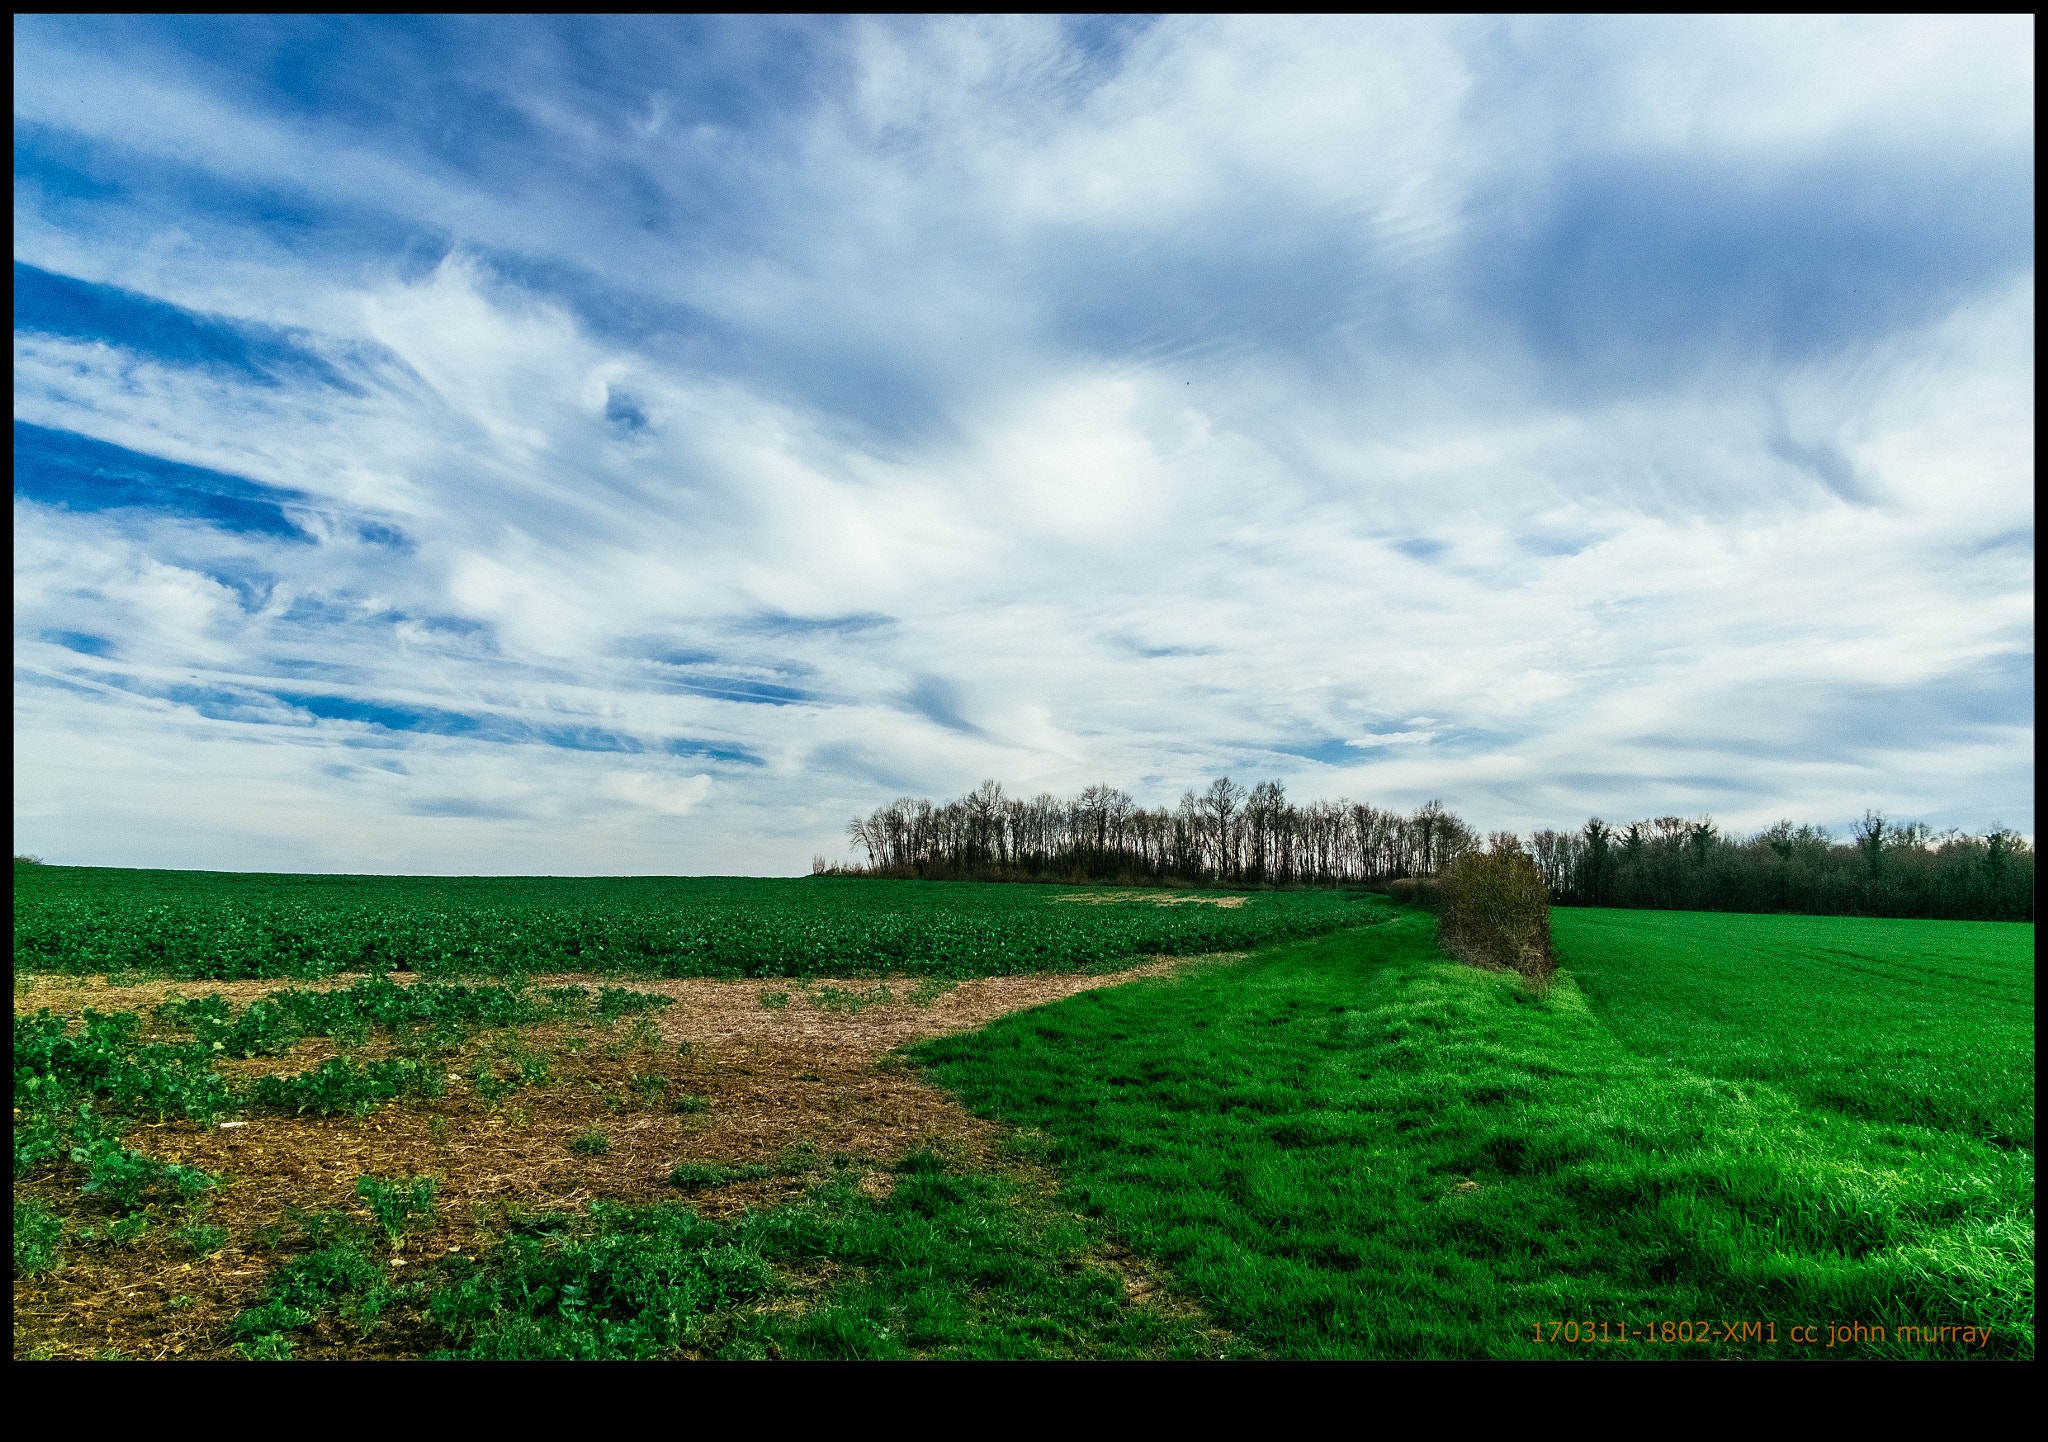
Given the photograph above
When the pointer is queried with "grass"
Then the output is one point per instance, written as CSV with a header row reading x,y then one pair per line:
x,y
1902,1021
1353,1147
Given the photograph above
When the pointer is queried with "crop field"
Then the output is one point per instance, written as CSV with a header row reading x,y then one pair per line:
x,y
1905,1021
226,926
352,1117
1319,1137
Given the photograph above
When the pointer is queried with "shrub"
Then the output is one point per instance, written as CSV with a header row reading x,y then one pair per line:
x,y
1426,892
1496,914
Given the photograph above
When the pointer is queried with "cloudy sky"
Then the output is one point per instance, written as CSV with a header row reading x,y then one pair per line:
x,y
627,446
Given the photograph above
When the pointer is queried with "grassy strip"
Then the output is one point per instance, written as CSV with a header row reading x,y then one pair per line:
x,y
1351,1147
1908,1021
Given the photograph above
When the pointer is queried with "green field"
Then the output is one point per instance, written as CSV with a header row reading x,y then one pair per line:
x,y
223,925
1716,1135
1905,1021
1352,1147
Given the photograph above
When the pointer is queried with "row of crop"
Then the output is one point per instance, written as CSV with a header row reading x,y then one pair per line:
x,y
58,1069
792,933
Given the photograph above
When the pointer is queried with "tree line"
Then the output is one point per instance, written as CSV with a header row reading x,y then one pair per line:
x,y
1227,834
1232,835
1881,869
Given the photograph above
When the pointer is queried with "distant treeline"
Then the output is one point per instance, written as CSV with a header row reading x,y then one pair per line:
x,y
1227,834
1881,870
1230,835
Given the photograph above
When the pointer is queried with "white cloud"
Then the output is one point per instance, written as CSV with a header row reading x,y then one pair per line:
x,y
1153,419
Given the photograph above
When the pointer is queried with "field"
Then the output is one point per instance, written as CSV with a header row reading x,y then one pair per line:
x,y
1351,1147
1056,1132
223,926
1903,1021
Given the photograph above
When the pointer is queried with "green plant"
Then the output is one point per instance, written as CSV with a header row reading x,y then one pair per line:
x,y
688,1103
841,999
338,1274
590,1143
129,1229
652,1087
343,1084
929,989
265,1347
203,1240
691,1174
775,1000
38,1237
125,1176
37,1139
397,1203
621,1283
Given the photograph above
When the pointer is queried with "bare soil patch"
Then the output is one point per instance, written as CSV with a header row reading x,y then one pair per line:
x,y
1155,898
794,1078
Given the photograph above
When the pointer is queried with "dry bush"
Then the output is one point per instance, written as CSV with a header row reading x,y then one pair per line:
x,y
1426,892
1496,914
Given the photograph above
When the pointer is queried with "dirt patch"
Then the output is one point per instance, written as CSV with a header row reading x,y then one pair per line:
x,y
773,1084
1156,898
853,1009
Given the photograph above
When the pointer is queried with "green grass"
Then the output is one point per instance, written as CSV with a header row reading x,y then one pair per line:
x,y
1908,1021
1352,1147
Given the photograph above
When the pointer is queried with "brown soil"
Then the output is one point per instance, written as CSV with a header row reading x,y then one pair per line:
x,y
1156,898
799,1078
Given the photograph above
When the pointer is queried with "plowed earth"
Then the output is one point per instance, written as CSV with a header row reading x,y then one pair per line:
x,y
802,1079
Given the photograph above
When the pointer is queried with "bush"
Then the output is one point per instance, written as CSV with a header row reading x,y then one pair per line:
x,y
1496,914
1426,892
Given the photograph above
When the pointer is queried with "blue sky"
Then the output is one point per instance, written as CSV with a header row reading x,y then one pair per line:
x,y
637,445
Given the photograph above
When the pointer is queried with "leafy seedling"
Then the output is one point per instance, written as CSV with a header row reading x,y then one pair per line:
x,y
692,1174
396,1203
591,1143
204,1241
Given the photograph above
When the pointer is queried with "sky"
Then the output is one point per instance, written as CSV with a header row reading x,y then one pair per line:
x,y
490,445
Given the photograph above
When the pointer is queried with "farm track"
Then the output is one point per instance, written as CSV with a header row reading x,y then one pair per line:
x,y
794,1088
